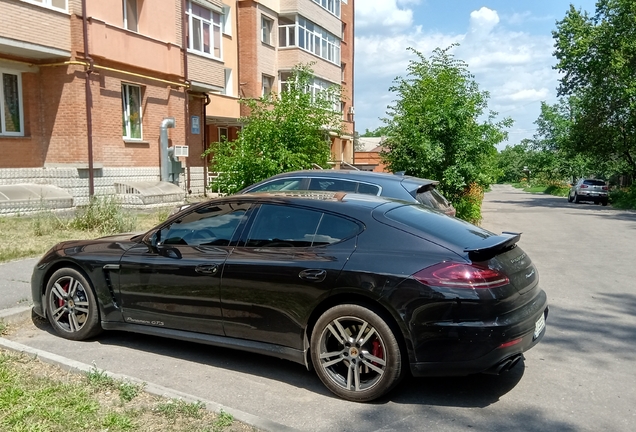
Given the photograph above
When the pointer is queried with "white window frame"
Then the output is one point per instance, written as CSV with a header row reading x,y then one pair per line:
x,y
226,21
213,27
270,30
125,6
331,6
265,78
226,134
3,131
312,38
125,92
228,90
48,4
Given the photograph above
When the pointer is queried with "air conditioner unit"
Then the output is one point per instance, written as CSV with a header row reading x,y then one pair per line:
x,y
352,111
181,151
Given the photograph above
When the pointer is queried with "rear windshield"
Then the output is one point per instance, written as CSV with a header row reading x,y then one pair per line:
x,y
594,182
433,199
450,230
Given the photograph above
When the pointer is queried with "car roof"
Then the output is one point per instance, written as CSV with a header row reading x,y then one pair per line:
x,y
369,176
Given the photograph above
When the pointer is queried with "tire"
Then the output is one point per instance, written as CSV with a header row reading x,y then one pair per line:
x,y
570,197
604,203
576,198
355,353
71,305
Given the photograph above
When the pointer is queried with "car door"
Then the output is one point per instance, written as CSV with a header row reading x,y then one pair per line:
x,y
174,283
287,260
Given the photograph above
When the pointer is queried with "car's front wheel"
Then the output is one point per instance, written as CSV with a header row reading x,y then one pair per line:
x,y
71,306
355,353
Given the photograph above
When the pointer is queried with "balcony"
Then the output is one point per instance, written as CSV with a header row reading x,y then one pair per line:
x,y
133,49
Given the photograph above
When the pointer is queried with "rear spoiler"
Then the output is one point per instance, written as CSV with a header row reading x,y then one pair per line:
x,y
494,245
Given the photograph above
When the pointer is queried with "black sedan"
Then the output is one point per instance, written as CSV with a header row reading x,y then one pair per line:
x,y
363,289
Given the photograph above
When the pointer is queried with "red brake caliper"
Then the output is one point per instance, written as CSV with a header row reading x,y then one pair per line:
x,y
60,302
377,350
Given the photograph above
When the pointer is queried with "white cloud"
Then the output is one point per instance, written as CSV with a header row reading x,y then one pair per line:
x,y
377,16
483,21
513,66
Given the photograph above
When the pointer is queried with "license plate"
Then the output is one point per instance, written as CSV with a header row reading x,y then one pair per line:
x,y
539,326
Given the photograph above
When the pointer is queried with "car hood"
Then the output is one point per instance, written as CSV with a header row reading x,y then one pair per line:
x,y
121,242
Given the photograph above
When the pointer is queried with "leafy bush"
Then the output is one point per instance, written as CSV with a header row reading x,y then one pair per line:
x,y
104,215
624,198
469,205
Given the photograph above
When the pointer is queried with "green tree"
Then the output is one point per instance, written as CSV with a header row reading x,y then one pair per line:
x,y
376,133
435,131
284,132
597,58
512,161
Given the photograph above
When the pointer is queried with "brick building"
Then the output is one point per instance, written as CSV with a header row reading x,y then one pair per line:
x,y
135,64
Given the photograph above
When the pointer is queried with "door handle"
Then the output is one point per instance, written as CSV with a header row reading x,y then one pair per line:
x,y
207,269
313,275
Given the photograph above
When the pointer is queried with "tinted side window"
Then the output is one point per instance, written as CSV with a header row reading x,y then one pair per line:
x,y
279,185
324,184
365,188
333,229
283,226
206,226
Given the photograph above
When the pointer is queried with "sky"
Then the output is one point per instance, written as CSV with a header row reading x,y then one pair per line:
x,y
507,45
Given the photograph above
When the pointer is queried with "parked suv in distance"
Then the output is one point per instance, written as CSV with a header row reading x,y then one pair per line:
x,y
406,188
589,190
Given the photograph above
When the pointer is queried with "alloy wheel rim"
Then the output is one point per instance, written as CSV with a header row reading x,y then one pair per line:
x,y
352,353
68,304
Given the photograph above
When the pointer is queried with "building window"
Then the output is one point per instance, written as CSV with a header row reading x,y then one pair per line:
x,y
229,88
53,4
266,30
227,21
317,85
332,6
130,15
131,114
204,30
223,134
311,38
11,115
268,84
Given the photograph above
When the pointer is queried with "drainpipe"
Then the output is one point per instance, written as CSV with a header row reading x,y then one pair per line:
x,y
184,48
89,103
206,163
166,123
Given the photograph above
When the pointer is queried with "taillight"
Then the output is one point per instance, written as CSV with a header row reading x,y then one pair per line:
x,y
458,275
583,186
604,187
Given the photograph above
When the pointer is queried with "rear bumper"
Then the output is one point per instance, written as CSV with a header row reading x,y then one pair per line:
x,y
491,362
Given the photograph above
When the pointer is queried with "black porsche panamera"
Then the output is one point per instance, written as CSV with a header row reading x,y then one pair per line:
x,y
364,289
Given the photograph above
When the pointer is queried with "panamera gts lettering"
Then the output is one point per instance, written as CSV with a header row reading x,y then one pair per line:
x,y
138,321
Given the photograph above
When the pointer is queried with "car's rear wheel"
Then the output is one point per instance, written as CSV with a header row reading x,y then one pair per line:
x,y
570,197
71,306
576,198
355,353
604,203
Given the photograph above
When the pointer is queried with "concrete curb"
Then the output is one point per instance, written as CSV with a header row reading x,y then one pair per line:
x,y
15,315
21,313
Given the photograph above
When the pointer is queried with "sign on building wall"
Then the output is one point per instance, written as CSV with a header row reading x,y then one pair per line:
x,y
194,125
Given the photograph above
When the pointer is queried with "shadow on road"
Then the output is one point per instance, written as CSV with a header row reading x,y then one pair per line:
x,y
535,200
470,391
595,332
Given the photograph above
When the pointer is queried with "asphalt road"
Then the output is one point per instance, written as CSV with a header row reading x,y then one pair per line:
x,y
579,378
15,283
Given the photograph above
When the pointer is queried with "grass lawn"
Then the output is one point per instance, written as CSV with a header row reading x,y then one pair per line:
x,y
32,235
36,396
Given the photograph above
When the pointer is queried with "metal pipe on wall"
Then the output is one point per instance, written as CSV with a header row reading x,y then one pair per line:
x,y
89,103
